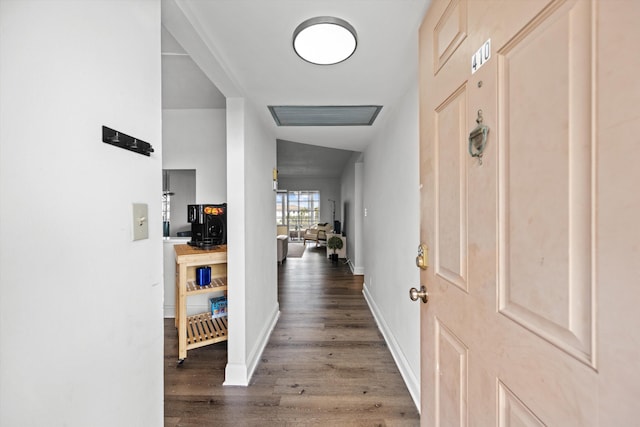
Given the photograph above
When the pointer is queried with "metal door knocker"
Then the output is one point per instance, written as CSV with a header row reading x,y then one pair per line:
x,y
478,138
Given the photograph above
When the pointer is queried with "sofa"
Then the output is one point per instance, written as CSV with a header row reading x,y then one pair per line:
x,y
317,233
283,247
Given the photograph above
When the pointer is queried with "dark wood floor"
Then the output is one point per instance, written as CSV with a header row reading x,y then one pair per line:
x,y
325,363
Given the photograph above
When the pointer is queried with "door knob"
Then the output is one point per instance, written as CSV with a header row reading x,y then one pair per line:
x,y
414,294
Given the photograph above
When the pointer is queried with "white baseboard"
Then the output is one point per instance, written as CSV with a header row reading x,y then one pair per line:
x,y
238,374
169,312
356,271
265,334
410,380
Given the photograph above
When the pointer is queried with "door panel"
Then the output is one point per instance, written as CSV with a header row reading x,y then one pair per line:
x,y
450,31
535,247
545,179
452,378
451,189
512,412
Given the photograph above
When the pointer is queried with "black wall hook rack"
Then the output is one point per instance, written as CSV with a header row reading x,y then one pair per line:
x,y
122,140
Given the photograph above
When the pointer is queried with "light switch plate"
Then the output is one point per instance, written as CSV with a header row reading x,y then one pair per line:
x,y
140,221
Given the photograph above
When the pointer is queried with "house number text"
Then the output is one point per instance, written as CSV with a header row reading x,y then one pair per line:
x,y
481,56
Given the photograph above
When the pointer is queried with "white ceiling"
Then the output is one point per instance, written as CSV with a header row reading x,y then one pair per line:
x,y
245,48
311,161
184,85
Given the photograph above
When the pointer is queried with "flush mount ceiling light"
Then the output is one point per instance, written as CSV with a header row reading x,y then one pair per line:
x,y
324,40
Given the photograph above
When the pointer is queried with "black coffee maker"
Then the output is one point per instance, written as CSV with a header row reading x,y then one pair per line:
x,y
208,225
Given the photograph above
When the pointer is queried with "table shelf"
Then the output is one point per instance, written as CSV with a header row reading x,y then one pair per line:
x,y
203,330
217,284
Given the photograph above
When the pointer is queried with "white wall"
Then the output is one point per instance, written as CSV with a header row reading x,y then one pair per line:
x,y
81,331
183,187
252,267
352,216
392,234
329,189
196,139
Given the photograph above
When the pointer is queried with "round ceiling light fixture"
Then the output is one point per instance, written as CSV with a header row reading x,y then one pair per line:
x,y
325,40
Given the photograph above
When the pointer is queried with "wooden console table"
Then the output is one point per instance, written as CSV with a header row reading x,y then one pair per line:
x,y
198,330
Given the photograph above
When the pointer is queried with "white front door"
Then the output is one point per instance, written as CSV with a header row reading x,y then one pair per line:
x,y
534,272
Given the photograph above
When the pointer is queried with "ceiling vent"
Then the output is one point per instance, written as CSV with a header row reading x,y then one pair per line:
x,y
308,115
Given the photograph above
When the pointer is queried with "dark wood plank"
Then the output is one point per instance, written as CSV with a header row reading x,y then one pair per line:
x,y
326,363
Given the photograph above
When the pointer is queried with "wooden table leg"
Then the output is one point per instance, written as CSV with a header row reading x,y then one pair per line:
x,y
181,312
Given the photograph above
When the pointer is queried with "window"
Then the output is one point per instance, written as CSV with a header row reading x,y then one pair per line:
x,y
281,208
298,209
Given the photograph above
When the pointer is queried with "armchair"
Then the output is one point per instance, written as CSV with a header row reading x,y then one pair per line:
x,y
317,233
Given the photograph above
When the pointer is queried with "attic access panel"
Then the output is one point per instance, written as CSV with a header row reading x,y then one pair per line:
x,y
308,115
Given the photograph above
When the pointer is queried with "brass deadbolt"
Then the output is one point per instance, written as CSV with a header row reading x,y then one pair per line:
x,y
422,260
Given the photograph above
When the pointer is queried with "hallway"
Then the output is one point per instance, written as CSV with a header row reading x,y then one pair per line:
x,y
325,363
